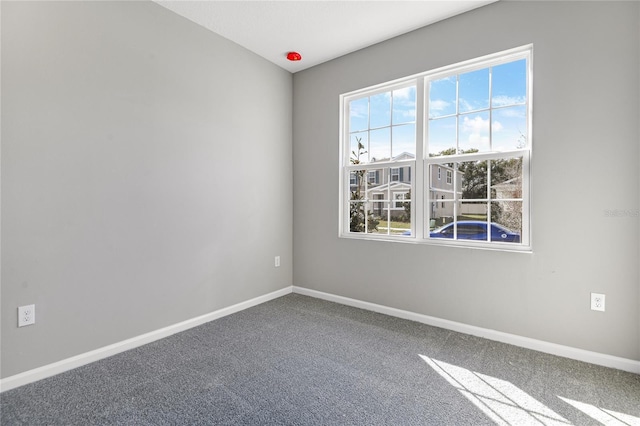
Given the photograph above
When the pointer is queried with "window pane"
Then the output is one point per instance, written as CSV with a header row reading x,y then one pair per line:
x,y
441,195
379,208
438,173
360,188
359,114
380,110
404,105
378,189
357,184
474,90
442,226
506,218
404,140
509,83
373,220
375,178
475,230
509,128
506,178
401,213
473,178
401,206
392,226
380,145
358,144
442,136
442,97
474,132
473,211
356,216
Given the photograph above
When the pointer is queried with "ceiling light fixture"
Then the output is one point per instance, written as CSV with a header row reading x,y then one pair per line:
x,y
294,56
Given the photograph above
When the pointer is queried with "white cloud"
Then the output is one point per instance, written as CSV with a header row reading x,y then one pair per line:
x,y
410,114
477,128
439,105
515,112
477,138
406,93
404,102
503,100
497,126
475,125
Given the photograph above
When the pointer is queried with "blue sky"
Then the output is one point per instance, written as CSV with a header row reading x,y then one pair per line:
x,y
386,122
507,121
378,113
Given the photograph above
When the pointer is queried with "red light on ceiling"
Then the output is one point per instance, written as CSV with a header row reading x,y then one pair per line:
x,y
294,56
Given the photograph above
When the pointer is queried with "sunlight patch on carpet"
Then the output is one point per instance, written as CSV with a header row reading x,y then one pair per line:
x,y
604,416
500,400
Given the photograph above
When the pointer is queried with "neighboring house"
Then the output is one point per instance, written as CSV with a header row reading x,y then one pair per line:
x,y
442,189
389,187
511,188
392,187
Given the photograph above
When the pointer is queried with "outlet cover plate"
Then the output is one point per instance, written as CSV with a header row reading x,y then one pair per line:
x,y
26,315
597,302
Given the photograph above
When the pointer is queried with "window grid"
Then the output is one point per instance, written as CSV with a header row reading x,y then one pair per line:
x,y
423,223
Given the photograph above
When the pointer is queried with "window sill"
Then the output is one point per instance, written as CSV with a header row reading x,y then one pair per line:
x,y
404,239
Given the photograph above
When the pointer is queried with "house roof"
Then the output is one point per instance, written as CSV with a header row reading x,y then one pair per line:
x,y
391,186
399,157
517,181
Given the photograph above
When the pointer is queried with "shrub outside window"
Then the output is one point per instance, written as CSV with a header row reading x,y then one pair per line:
x,y
471,121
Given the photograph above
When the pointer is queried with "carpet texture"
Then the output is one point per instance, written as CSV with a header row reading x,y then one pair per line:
x,y
298,360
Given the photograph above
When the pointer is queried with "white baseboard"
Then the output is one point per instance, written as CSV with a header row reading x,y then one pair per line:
x,y
524,342
107,351
49,370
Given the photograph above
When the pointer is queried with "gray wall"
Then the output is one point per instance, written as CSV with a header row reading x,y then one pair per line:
x,y
585,161
146,175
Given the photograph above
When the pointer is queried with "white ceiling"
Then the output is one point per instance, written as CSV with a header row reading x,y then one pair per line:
x,y
319,30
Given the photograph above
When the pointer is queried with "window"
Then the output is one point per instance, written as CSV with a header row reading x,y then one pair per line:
x,y
472,121
381,139
401,198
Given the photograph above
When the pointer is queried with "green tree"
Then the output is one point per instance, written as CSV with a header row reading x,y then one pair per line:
x,y
406,217
357,221
508,173
474,176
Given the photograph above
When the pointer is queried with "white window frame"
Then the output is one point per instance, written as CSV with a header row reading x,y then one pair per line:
x,y
421,203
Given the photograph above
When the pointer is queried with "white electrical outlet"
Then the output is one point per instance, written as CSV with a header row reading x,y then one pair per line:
x,y
597,302
277,261
26,315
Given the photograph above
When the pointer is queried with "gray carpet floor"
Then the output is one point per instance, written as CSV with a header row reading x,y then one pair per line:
x,y
298,360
